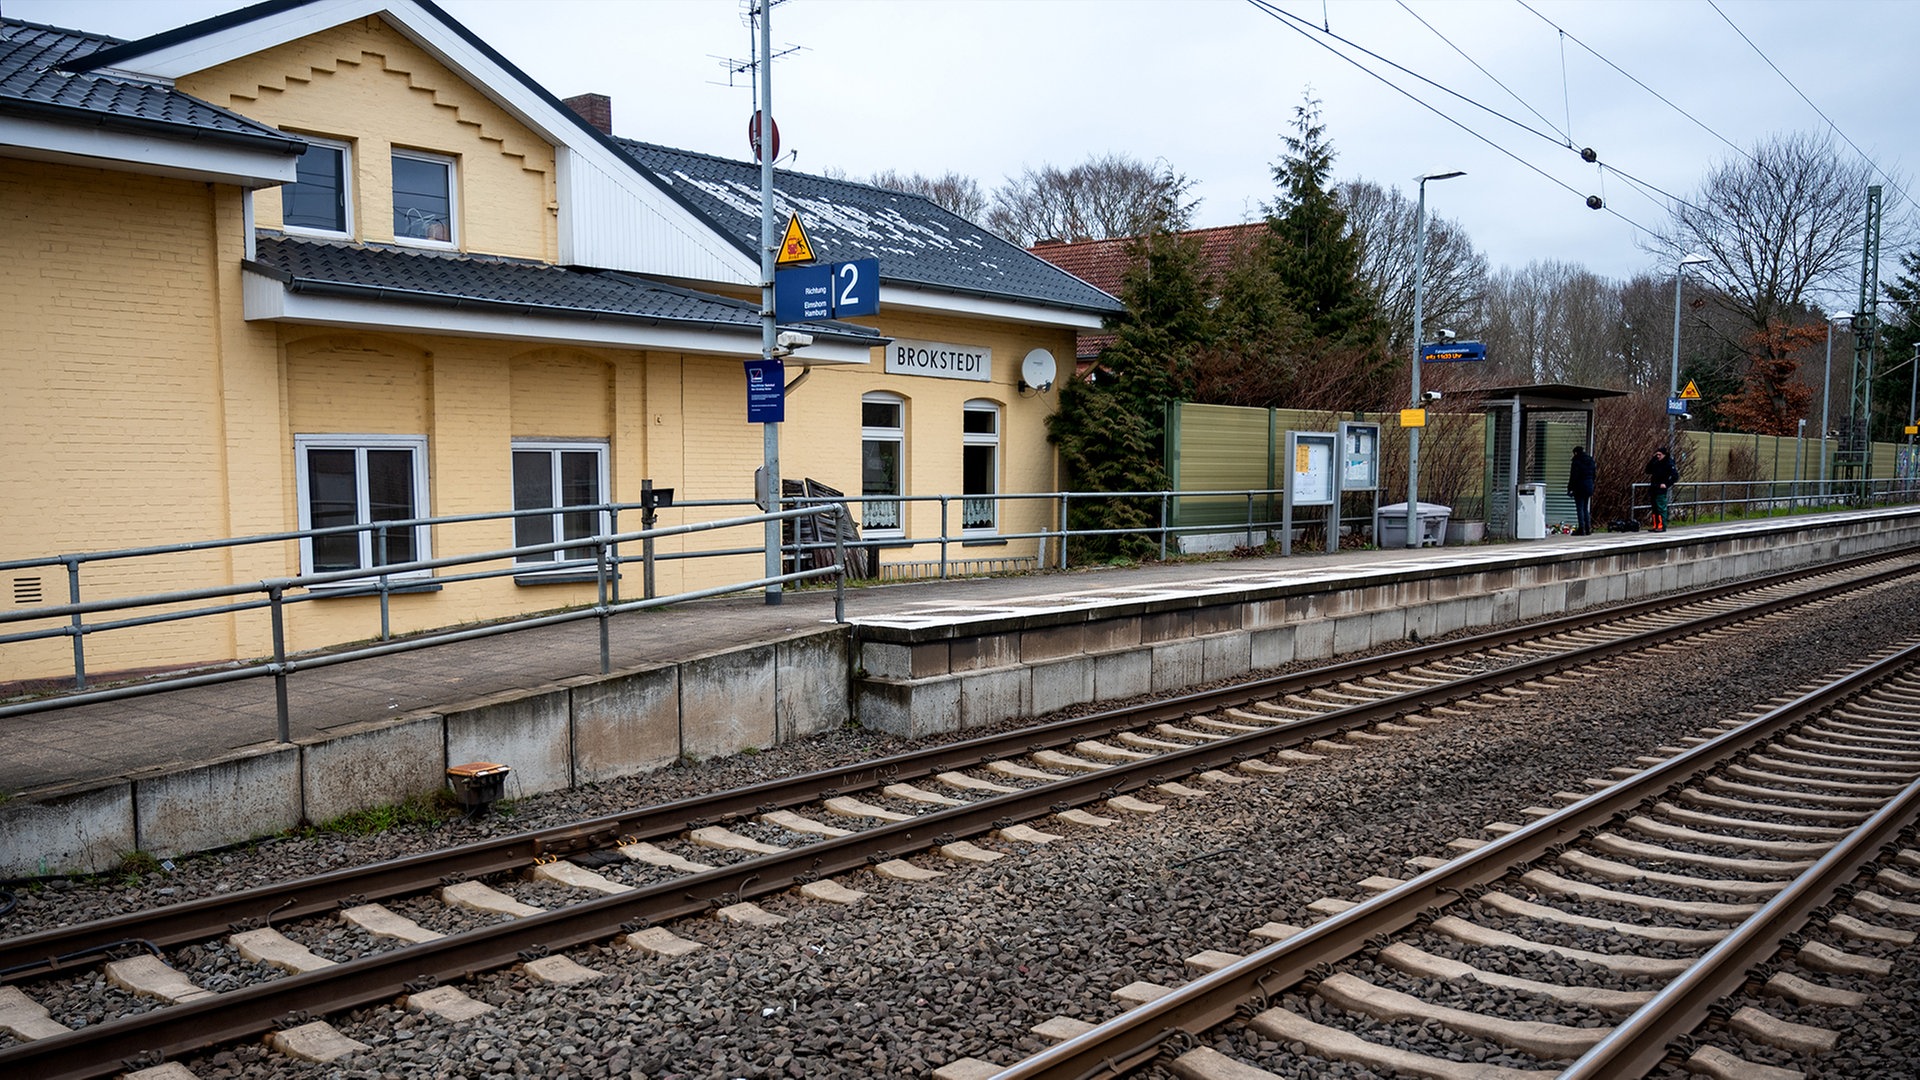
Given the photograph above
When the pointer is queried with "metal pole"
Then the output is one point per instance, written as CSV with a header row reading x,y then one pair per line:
x,y
1826,388
280,709
770,432
78,624
1419,314
647,519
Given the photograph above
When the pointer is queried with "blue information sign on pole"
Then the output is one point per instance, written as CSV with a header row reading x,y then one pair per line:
x,y
1448,352
837,291
803,294
1676,407
766,392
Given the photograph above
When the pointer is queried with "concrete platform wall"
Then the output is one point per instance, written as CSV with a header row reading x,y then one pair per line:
x,y
932,680
576,732
951,677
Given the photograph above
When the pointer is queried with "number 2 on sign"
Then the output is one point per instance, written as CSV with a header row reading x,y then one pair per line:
x,y
850,273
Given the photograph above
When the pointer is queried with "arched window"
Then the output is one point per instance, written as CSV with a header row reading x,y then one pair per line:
x,y
883,451
980,466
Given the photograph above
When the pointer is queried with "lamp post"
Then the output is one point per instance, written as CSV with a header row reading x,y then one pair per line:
x,y
1673,374
1826,385
1419,312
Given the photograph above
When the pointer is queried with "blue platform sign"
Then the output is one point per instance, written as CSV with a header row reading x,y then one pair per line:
x,y
828,291
1450,352
1676,406
766,392
856,288
803,294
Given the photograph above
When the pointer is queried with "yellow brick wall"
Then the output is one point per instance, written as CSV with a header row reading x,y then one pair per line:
x,y
111,419
364,84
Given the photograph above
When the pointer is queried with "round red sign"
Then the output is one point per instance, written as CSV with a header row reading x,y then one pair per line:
x,y
753,136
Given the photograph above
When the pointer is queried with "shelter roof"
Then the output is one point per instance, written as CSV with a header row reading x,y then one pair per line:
x,y
1547,394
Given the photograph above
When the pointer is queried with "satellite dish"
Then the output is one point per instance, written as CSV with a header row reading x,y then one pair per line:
x,y
1037,371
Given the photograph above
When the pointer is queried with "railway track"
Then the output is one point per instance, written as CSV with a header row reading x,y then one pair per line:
x,y
1714,860
1037,772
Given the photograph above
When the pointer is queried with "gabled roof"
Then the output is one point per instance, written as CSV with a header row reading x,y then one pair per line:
x,y
918,243
1103,263
53,112
520,289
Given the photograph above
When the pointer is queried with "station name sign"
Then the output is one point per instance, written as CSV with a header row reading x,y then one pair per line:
x,y
940,359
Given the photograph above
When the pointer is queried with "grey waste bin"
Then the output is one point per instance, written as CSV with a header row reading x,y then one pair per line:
x,y
1530,512
1390,525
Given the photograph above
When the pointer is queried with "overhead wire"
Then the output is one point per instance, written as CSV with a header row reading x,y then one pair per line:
x,y
1307,30
1803,97
1566,139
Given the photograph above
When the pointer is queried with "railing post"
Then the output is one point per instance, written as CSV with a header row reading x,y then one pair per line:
x,y
647,518
613,552
606,614
840,578
1166,505
280,709
1066,497
386,618
944,521
79,626
1250,542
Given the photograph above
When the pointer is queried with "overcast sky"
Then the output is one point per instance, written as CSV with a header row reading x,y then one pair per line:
x,y
988,87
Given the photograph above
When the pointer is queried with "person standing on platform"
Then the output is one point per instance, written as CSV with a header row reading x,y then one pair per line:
x,y
1580,478
1661,476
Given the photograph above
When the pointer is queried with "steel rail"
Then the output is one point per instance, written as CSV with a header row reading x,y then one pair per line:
x,y
99,1049
34,955
1139,1035
1642,1040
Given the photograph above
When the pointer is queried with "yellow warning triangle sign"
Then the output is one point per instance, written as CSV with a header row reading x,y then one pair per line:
x,y
1690,393
795,247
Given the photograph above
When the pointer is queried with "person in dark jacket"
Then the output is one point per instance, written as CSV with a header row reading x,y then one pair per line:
x,y
1662,474
1580,485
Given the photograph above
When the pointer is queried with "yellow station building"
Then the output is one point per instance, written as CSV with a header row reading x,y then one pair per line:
x,y
332,262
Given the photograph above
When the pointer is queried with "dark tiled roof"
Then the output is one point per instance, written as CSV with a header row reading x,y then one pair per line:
x,y
516,284
30,82
917,242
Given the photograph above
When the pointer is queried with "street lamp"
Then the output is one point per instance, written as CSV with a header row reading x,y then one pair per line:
x,y
1673,375
1419,312
1826,384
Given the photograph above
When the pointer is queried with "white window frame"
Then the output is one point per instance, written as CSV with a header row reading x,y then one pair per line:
x,y
898,436
991,440
602,478
452,165
360,444
346,192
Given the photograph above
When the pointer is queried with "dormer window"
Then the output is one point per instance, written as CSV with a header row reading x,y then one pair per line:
x,y
317,199
423,198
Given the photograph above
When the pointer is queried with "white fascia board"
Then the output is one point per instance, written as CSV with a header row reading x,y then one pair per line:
x,y
88,144
899,298
255,35
266,299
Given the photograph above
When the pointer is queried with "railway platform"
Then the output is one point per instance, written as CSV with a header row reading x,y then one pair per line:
x,y
194,768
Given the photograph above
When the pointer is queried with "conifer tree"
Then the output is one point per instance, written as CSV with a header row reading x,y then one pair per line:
x,y
1111,427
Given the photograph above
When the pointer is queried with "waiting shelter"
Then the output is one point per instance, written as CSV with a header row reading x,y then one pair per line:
x,y
1531,432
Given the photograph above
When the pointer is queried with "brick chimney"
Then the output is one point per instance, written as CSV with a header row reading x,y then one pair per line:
x,y
595,109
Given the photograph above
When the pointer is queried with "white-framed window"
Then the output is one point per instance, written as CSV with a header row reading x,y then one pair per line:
x,y
319,200
980,466
425,199
557,475
361,480
883,451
